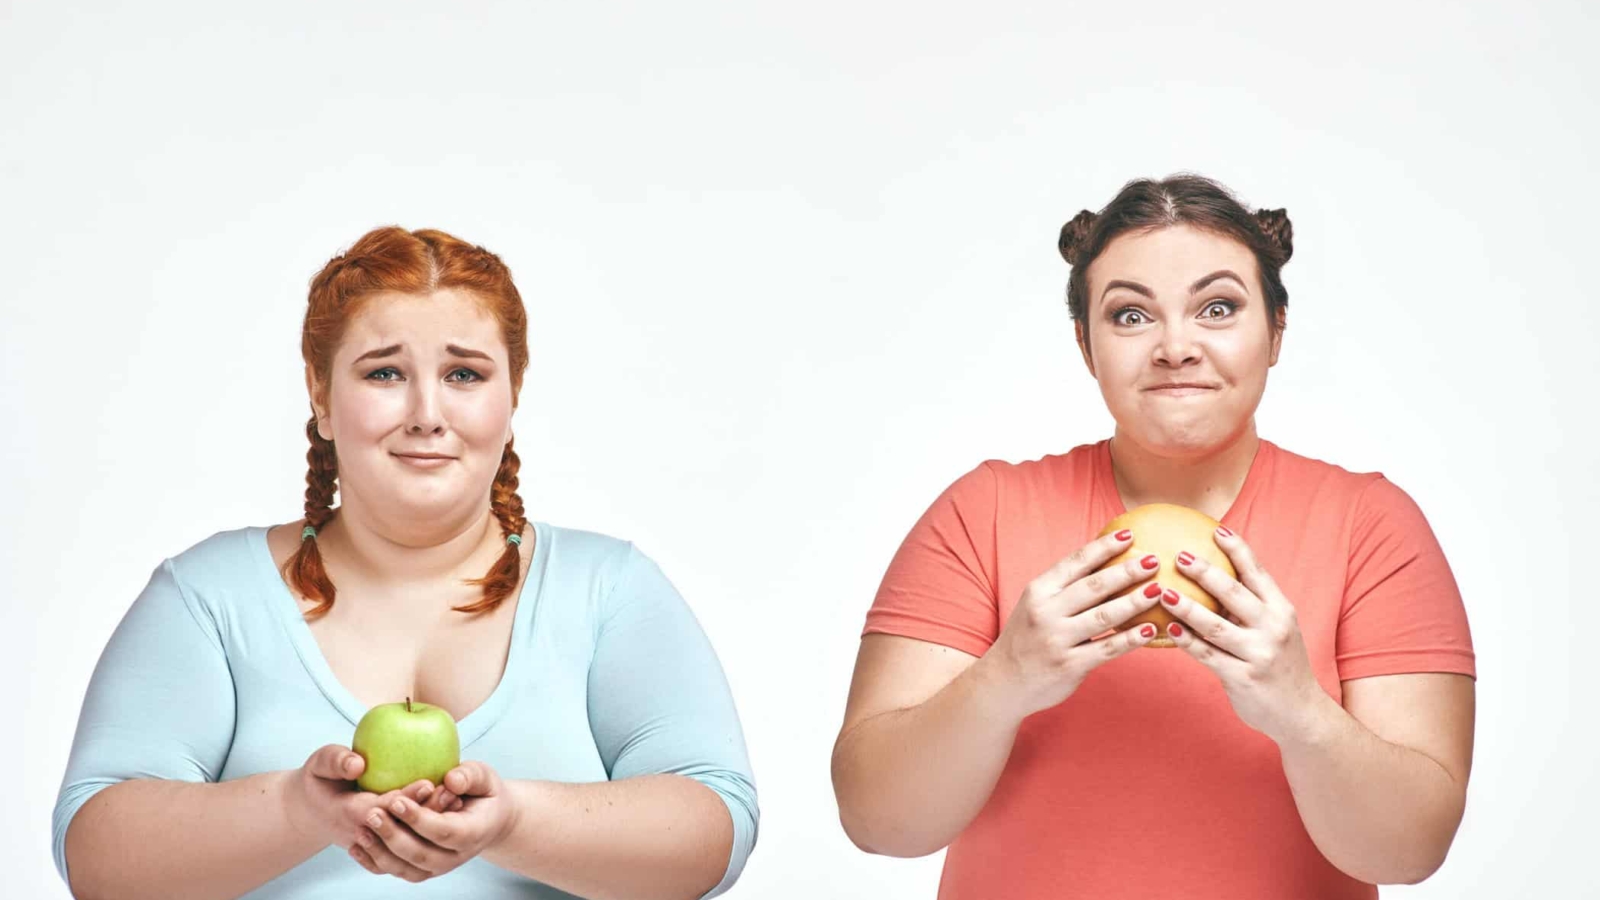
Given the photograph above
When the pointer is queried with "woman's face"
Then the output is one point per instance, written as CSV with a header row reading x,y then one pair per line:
x,y
419,407
1178,305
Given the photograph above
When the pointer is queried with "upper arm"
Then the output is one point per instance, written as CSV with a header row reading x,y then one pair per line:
x,y
1429,712
160,703
659,702
894,672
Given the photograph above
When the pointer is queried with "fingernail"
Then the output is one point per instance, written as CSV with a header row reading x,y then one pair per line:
x,y
1223,530
1150,562
1152,590
1148,631
376,819
1185,558
1175,630
399,807
424,794
1124,535
1170,597
364,838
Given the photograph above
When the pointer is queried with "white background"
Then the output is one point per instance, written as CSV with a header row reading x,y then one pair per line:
x,y
790,270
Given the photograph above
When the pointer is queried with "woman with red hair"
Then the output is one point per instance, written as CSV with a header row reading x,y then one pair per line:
x,y
602,755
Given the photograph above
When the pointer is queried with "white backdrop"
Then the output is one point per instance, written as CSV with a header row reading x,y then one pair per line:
x,y
790,270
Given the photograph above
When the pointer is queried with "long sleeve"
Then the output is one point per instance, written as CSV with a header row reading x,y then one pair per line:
x,y
159,705
659,702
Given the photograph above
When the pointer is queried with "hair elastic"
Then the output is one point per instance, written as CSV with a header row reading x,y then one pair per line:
x,y
514,539
307,533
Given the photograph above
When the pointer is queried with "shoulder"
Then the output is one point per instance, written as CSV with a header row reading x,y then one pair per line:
x,y
225,559
1367,497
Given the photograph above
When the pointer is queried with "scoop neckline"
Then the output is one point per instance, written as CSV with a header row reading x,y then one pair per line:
x,y
477,722
1259,464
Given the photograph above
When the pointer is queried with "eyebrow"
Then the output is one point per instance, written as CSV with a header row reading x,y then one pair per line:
x,y
1198,286
452,349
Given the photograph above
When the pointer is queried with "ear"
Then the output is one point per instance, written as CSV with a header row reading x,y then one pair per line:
x,y
1277,337
321,412
1077,333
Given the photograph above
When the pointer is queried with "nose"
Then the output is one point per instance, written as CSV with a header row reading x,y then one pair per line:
x,y
424,415
1177,347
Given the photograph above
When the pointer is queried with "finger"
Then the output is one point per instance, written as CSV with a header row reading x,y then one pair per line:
x,y
1112,613
1081,562
1095,587
1251,573
1223,664
436,828
472,778
363,860
385,861
336,763
1234,597
441,800
1108,648
1207,625
407,844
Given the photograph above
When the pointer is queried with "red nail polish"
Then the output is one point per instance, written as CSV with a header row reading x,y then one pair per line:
x,y
1223,530
1124,535
1152,589
1186,558
1150,562
1175,630
1170,597
1148,631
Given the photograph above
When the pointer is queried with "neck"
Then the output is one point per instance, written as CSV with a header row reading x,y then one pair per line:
x,y
1209,481
377,552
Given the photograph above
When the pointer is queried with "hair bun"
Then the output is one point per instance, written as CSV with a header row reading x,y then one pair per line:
x,y
1280,233
1074,235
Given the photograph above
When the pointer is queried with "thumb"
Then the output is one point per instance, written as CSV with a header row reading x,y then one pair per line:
x,y
336,763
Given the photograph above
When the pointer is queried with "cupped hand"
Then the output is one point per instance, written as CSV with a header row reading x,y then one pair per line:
x,y
1258,650
410,838
322,801
1045,650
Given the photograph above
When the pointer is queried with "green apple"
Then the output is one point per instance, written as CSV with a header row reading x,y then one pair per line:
x,y
404,742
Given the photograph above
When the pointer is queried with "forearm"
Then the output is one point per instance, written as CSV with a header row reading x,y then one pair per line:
x,y
1382,813
909,780
174,839
654,836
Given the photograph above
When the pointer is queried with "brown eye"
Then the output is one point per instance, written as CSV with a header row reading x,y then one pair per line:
x,y
1226,305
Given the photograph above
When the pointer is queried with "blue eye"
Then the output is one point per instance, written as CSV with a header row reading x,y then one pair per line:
x,y
391,370
472,376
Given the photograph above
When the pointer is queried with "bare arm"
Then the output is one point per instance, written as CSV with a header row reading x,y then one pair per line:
x,y
652,836
919,714
1381,783
171,839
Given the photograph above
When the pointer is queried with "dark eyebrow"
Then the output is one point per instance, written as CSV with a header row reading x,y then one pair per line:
x,y
1200,285
1195,288
452,349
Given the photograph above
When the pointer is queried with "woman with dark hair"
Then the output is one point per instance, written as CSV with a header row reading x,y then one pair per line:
x,y
1314,735
602,753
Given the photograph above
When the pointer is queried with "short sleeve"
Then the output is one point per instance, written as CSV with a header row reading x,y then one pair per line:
x,y
1402,611
660,704
160,703
941,584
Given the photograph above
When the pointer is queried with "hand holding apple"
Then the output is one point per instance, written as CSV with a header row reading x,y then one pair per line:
x,y
415,843
320,802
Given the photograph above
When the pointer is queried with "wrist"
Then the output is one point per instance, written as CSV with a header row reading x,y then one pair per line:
x,y
285,787
1317,728
994,690
522,805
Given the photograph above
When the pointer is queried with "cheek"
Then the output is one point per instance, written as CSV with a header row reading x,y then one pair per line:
x,y
366,413
481,419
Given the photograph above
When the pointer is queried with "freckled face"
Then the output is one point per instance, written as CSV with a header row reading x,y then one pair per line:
x,y
1178,305
419,405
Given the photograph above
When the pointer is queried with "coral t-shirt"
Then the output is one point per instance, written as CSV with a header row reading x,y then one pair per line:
x,y
1144,783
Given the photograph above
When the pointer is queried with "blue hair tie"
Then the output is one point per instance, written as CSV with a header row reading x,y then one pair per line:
x,y
307,533
514,539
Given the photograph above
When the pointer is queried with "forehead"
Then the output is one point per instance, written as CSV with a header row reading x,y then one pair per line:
x,y
1170,259
444,316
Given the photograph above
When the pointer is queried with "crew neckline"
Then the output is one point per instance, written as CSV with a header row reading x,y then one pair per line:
x,y
1260,466
477,722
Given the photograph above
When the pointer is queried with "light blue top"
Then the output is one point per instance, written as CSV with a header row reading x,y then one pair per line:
x,y
213,675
